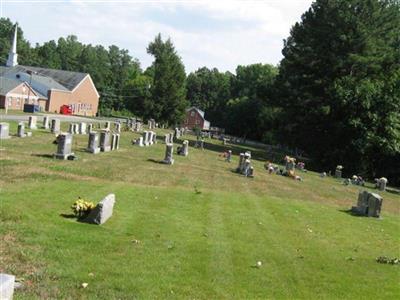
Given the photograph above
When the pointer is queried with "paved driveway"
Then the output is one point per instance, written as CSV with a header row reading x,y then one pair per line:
x,y
63,118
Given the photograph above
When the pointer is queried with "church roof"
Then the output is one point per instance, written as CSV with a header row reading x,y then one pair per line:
x,y
7,85
55,79
68,79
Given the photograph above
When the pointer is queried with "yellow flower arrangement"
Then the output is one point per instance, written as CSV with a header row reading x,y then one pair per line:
x,y
82,207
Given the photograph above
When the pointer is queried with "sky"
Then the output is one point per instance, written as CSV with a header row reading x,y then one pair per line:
x,y
219,33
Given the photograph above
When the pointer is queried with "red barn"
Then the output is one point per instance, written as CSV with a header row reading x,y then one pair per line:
x,y
195,118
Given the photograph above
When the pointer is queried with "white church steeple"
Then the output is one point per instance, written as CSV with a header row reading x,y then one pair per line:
x,y
12,60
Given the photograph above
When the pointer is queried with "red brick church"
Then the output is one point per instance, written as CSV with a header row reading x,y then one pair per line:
x,y
48,88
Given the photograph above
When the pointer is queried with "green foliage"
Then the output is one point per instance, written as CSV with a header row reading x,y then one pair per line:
x,y
168,89
339,86
241,102
209,90
26,53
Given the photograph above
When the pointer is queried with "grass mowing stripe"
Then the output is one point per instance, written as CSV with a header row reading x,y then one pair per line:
x,y
221,264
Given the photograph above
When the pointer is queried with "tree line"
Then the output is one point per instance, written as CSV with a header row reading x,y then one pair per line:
x,y
335,94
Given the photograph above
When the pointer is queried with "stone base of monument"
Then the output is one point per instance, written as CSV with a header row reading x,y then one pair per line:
x,y
168,161
102,212
106,149
6,286
93,151
63,156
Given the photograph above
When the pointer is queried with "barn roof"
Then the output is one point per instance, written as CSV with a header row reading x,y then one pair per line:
x,y
197,109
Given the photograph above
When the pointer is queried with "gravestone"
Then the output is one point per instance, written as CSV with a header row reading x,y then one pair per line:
x,y
32,122
239,168
177,133
290,165
103,211
245,168
55,126
138,126
146,138
90,128
229,156
4,131
105,141
118,127
184,150
368,204
21,130
76,128
64,146
139,142
154,138
151,133
6,286
381,183
71,129
93,144
171,138
115,141
338,172
107,125
168,159
166,138
46,122
82,128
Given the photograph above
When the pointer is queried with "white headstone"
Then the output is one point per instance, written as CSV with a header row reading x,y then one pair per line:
x,y
4,131
46,123
6,286
32,122
103,210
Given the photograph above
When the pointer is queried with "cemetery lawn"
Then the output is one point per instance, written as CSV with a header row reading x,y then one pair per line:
x,y
193,230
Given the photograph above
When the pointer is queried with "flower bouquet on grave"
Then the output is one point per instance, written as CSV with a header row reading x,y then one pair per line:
x,y
82,208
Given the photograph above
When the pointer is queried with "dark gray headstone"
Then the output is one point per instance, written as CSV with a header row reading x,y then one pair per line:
x,y
368,204
168,154
93,144
105,141
64,146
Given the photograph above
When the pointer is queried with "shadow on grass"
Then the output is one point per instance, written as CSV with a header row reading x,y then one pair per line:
x,y
44,155
82,219
156,161
351,213
68,216
393,191
257,154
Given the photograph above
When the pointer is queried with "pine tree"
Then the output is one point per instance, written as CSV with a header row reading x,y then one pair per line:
x,y
339,83
168,89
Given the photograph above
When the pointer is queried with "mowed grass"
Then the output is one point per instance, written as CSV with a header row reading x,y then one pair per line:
x,y
193,230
